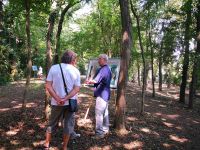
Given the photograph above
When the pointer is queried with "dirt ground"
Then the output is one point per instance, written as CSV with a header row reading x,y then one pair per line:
x,y
166,124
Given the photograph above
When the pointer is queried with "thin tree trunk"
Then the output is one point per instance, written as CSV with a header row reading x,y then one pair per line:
x,y
186,55
57,49
196,65
49,39
119,123
160,61
138,68
146,73
143,59
147,50
1,21
152,67
169,76
1,14
28,47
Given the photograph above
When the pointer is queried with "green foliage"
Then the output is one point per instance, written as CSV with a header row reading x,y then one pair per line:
x,y
176,80
4,65
99,33
81,68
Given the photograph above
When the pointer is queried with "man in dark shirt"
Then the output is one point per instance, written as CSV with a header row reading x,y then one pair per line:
x,y
102,93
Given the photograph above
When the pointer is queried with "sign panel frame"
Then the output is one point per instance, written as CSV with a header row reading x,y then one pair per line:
x,y
114,65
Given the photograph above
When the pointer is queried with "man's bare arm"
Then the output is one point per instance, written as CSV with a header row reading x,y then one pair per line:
x,y
73,92
52,92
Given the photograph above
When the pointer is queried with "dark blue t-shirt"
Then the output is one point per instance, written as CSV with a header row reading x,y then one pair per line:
x,y
102,84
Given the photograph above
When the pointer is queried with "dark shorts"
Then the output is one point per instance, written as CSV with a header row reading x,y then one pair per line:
x,y
67,117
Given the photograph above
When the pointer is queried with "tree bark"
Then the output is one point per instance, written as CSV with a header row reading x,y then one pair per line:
x,y
119,123
160,61
138,68
51,23
152,66
196,65
49,39
169,76
186,55
28,47
143,59
1,21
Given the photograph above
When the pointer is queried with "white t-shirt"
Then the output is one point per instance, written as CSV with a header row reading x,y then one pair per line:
x,y
72,78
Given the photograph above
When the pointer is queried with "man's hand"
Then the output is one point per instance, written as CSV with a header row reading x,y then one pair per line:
x,y
60,101
90,81
86,82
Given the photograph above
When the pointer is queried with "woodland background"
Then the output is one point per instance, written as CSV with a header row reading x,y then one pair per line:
x,y
157,41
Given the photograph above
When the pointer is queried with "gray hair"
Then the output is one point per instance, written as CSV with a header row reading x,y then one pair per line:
x,y
104,56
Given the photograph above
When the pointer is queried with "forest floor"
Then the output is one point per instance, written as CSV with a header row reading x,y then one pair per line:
x,y
166,124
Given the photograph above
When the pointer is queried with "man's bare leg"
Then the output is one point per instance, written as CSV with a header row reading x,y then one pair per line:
x,y
65,141
48,139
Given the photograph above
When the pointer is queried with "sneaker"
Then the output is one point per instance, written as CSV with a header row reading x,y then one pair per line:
x,y
106,132
75,136
98,136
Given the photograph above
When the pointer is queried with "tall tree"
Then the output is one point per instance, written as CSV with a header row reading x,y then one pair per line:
x,y
152,65
143,59
125,57
49,40
188,9
60,24
196,65
160,62
1,20
138,71
28,47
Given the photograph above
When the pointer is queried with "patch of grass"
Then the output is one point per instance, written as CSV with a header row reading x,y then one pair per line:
x,y
36,86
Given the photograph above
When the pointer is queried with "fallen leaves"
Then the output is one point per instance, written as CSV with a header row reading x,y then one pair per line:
x,y
164,125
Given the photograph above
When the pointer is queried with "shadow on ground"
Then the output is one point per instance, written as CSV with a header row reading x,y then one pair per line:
x,y
166,124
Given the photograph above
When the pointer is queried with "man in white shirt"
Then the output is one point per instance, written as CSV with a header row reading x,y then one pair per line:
x,y
59,101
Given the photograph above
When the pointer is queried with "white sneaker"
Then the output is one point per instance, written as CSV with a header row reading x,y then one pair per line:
x,y
75,136
106,132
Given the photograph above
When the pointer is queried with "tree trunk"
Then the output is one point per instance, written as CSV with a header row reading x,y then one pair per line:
x,y
169,76
192,86
28,47
152,67
160,61
160,70
186,55
138,68
119,123
147,68
196,65
51,23
57,50
143,59
1,21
